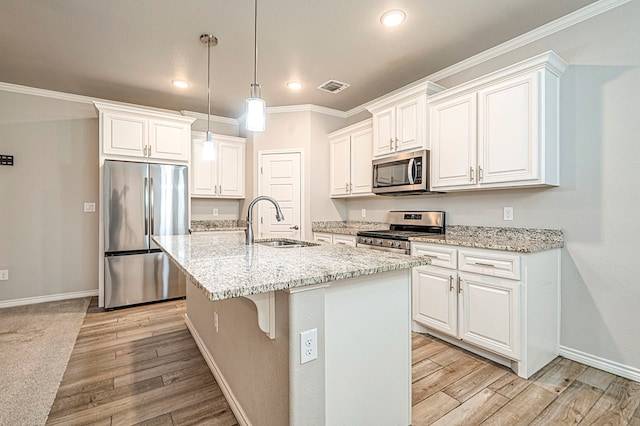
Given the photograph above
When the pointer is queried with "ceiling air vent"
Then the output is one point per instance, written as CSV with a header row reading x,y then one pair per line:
x,y
333,86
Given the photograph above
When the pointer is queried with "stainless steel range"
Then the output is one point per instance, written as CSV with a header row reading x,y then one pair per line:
x,y
404,225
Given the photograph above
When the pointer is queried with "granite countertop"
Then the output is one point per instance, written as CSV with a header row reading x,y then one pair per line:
x,y
346,227
217,225
521,240
224,267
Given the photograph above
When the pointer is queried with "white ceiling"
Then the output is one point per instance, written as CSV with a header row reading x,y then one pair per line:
x,y
130,50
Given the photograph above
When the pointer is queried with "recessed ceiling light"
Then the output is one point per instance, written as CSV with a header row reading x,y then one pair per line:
x,y
180,83
294,85
392,18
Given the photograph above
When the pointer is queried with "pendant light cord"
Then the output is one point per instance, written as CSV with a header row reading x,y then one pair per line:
x,y
255,43
208,86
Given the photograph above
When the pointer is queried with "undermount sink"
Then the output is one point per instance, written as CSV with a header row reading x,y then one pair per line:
x,y
281,243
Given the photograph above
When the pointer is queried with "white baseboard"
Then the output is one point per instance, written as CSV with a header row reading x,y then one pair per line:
x,y
613,367
241,416
47,298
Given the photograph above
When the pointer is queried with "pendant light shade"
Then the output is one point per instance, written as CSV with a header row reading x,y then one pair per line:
x,y
256,115
208,150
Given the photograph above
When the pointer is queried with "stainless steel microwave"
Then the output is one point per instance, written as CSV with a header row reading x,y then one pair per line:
x,y
402,174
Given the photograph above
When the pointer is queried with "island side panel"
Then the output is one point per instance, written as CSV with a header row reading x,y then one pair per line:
x,y
368,350
254,367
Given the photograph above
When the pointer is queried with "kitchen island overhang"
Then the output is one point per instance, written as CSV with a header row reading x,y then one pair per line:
x,y
358,300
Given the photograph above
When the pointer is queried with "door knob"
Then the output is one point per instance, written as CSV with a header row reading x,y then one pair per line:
x,y
294,227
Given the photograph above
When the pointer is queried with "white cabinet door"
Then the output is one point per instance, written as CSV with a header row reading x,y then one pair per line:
x,y
410,124
435,298
453,142
231,169
384,132
340,160
489,313
508,130
124,134
169,140
361,169
204,173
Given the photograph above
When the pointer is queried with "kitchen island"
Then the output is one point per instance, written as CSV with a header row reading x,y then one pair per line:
x,y
248,305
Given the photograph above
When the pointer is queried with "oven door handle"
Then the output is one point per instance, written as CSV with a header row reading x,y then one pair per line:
x,y
411,171
387,249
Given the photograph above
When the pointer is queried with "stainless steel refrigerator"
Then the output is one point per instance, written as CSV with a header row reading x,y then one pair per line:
x,y
141,200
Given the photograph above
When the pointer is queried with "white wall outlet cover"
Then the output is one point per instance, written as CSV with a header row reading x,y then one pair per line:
x,y
508,213
364,212
4,275
308,345
215,212
89,207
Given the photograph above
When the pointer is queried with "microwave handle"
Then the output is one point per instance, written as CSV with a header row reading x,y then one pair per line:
x,y
410,171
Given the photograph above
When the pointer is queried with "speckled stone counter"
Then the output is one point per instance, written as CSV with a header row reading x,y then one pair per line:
x,y
521,240
217,225
346,227
224,267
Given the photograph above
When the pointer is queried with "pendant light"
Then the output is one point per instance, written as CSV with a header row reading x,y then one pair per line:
x,y
256,106
208,151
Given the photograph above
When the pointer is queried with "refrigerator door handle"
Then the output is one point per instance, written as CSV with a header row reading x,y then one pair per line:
x,y
152,208
146,206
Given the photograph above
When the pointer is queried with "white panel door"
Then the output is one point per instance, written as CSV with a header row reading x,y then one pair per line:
x,y
361,169
435,298
384,132
508,130
453,142
204,173
340,167
489,312
124,134
231,169
410,119
280,178
169,140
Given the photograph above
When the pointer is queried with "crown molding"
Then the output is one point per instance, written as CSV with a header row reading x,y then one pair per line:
x,y
307,108
213,118
34,91
580,15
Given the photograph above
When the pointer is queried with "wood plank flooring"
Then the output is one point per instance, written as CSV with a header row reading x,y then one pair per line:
x,y
140,366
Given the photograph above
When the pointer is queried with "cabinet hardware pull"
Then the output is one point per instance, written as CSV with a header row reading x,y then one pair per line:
x,y
390,144
450,282
346,186
295,227
488,265
459,285
396,144
220,189
471,174
480,173
350,187
429,256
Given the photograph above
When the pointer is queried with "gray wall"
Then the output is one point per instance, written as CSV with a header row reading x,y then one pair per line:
x,y
598,201
47,242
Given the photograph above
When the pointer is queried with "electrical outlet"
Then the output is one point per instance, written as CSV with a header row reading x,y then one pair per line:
x,y
215,212
308,345
89,207
4,275
508,213
215,321
364,212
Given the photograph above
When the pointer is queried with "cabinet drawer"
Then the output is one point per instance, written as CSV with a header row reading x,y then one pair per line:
x,y
440,256
348,240
486,263
326,238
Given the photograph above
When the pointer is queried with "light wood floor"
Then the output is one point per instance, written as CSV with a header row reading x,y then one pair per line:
x,y
141,366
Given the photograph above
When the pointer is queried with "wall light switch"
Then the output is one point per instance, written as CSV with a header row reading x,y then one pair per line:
x,y
364,212
215,212
89,207
508,213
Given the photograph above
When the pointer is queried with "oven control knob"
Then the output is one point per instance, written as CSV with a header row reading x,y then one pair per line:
x,y
398,244
368,241
390,243
379,242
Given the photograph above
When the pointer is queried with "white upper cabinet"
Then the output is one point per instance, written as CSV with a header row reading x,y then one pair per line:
x,y
400,121
222,177
350,160
500,130
145,134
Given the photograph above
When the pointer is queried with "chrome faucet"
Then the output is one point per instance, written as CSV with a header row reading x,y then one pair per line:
x,y
249,230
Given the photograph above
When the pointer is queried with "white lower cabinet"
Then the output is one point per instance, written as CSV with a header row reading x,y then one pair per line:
x,y
507,307
347,240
